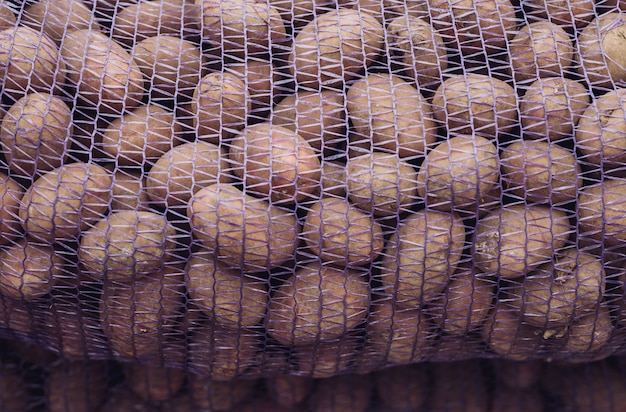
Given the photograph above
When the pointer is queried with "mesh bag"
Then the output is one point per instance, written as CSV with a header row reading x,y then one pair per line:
x,y
213,202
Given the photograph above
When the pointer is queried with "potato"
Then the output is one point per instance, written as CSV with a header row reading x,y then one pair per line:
x,y
76,386
334,182
275,162
421,255
231,299
540,171
138,317
145,19
11,194
600,131
213,395
393,113
325,359
601,212
7,17
297,13
517,375
418,49
460,386
510,400
141,136
127,245
509,336
55,19
318,302
240,27
403,388
335,47
63,202
575,14
319,118
172,67
601,56
154,383
342,234
263,82
104,74
220,106
459,173
14,396
346,393
476,104
184,170
513,240
589,333
465,303
551,107
243,231
382,184
289,391
129,191
28,269
35,134
30,62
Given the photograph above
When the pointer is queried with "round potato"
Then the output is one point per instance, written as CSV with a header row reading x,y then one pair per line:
x,y
393,114
208,394
275,162
381,183
297,13
65,201
229,298
476,104
509,336
602,212
510,400
184,170
421,255
35,134
325,359
127,245
104,74
11,194
513,240
129,191
335,47
243,231
154,383
540,171
318,302
551,107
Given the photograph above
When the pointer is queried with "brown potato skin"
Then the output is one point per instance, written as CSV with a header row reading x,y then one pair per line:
x,y
325,359
394,113
509,336
517,375
318,302
540,171
64,201
154,383
76,386
511,241
35,134
601,212
333,181
244,231
342,234
263,82
421,256
11,194
571,15
129,191
208,394
589,333
335,47
275,162
103,73
127,245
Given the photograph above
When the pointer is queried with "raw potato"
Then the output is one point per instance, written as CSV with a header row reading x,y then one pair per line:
x,y
30,62
509,336
28,269
602,52
104,74
325,359
459,174
476,104
334,182
386,10
574,14
347,393
213,395
589,333
393,114
243,231
172,67
65,201
551,108
229,298
129,191
76,386
11,194
421,256
601,131
220,105
418,49
127,245
154,383
541,171
184,170
335,47
513,240
342,234
141,136
263,82
242,28
318,303
289,391
35,134
381,183
403,388
602,212
275,162
541,49
7,17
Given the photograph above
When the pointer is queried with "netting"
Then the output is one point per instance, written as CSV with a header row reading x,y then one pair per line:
x,y
250,190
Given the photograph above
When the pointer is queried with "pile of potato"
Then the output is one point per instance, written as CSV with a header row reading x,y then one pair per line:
x,y
249,188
